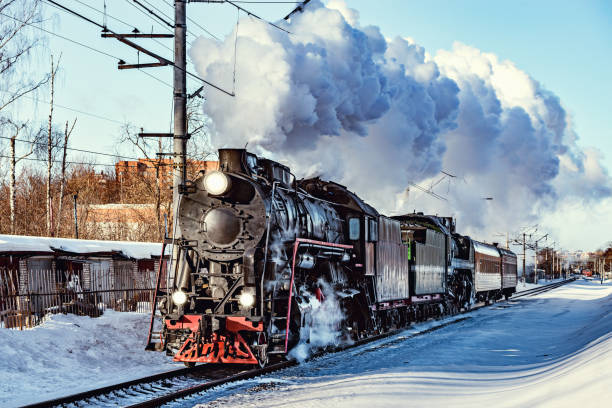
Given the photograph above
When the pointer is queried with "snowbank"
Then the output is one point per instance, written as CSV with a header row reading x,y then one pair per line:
x,y
69,354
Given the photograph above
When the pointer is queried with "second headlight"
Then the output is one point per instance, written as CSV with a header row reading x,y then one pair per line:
x,y
246,299
179,297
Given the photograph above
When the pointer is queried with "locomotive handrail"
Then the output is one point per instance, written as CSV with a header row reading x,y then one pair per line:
x,y
296,244
263,273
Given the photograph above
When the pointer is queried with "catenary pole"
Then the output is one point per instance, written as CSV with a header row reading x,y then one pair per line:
x,y
524,273
180,102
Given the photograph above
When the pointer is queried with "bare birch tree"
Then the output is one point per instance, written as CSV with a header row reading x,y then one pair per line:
x,y
50,146
17,128
67,133
145,148
16,44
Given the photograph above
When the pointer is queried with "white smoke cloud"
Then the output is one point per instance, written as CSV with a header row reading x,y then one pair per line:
x,y
341,101
322,322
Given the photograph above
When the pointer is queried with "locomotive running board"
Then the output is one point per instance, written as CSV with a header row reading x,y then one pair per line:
x,y
296,244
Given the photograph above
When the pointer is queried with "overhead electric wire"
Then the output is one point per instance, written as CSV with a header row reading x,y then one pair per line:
x,y
156,78
165,60
105,14
196,24
431,193
67,161
94,115
153,13
249,13
89,47
71,148
62,37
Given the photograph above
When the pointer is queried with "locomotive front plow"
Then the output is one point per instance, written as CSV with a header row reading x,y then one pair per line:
x,y
223,346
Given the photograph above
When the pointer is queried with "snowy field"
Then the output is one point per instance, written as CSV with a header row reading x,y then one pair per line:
x,y
551,350
69,354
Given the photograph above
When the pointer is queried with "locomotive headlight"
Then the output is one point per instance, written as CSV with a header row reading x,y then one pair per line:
x,y
246,299
217,183
179,298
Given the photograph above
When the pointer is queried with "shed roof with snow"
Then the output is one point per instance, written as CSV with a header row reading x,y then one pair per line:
x,y
21,245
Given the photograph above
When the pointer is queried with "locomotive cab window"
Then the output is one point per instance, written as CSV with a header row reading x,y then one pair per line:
x,y
354,229
372,230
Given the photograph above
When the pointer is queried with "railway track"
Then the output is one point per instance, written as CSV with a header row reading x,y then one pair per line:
x,y
541,289
158,389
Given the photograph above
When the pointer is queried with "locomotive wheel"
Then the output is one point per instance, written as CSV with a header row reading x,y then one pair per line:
x,y
261,350
262,356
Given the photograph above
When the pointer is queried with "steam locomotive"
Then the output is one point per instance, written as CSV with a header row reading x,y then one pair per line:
x,y
256,247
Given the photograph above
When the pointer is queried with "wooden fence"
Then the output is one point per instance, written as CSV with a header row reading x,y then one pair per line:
x,y
26,298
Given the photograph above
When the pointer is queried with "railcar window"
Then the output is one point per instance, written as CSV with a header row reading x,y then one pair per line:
x,y
354,229
373,230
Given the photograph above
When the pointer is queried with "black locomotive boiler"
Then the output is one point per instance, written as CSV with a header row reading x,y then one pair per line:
x,y
256,244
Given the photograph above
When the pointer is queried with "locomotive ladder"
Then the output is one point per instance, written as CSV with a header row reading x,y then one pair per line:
x,y
370,304
151,345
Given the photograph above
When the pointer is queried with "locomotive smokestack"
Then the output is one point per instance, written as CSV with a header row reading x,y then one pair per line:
x,y
232,160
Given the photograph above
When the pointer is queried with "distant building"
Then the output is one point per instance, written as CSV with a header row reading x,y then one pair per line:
x,y
122,221
150,167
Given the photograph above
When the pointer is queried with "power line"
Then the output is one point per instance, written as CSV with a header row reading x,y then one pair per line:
x,y
156,78
93,115
167,62
75,42
249,13
62,37
196,24
71,148
153,13
59,161
82,163
105,14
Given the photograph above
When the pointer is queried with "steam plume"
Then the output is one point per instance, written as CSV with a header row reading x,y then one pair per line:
x,y
341,101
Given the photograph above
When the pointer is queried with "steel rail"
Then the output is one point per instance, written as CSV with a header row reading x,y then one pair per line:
x,y
114,387
541,289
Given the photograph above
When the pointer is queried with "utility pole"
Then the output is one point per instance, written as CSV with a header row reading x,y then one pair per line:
x,y
180,103
524,272
76,221
553,261
535,265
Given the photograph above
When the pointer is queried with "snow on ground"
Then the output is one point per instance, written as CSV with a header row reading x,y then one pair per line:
x,y
551,350
69,354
